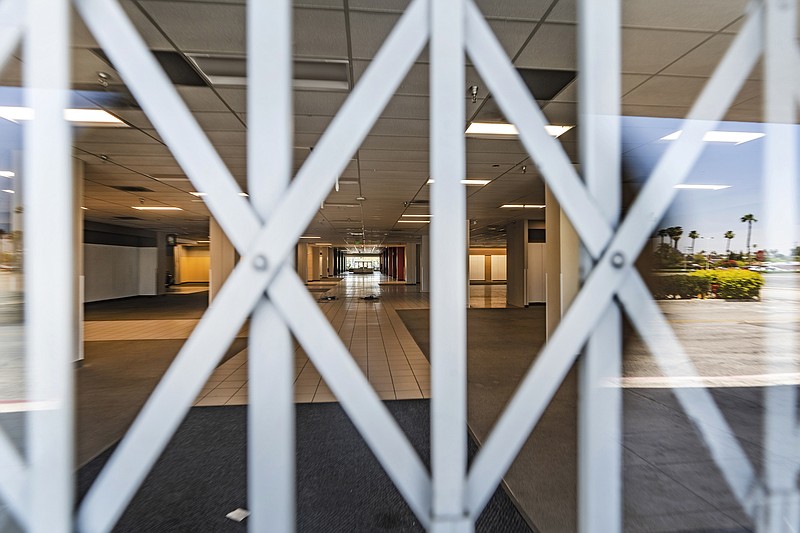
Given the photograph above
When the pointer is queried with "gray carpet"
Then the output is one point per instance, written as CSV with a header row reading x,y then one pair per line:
x,y
341,487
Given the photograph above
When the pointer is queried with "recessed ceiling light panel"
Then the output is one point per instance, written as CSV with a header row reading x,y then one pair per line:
x,y
470,182
88,117
489,130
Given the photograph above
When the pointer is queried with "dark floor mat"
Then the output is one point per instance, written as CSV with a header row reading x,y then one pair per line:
x,y
341,487
165,307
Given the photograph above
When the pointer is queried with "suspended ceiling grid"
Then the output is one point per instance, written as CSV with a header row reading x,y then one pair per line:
x,y
669,50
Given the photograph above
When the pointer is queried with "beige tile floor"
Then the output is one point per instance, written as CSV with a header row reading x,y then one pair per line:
x,y
375,335
372,330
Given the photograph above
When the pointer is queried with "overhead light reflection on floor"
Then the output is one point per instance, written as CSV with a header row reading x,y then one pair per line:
x,y
681,382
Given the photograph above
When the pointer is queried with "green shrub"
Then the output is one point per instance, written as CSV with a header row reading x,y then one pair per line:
x,y
678,286
733,284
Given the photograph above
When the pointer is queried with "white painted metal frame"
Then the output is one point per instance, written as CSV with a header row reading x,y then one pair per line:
x,y
266,230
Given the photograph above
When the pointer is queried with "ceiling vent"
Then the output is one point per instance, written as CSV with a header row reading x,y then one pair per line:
x,y
131,188
178,70
543,84
546,84
127,218
330,75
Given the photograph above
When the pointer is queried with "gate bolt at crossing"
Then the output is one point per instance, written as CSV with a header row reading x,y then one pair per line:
x,y
618,260
260,262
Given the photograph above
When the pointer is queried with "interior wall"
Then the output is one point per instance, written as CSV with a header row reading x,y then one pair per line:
x,y
477,268
498,266
192,264
118,271
487,264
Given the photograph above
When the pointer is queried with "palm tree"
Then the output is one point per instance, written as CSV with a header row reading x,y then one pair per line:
x,y
693,235
675,233
749,218
729,235
663,233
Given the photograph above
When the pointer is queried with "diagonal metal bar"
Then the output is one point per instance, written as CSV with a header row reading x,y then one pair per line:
x,y
270,415
12,479
150,432
12,21
554,360
516,102
540,384
448,270
520,108
344,135
357,397
170,116
697,402
171,399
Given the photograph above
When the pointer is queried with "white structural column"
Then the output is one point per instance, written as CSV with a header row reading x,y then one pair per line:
x,y
222,260
448,280
781,510
517,263
50,336
599,399
271,428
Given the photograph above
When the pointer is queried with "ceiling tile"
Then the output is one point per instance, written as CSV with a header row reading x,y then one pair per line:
x,y
200,27
553,46
666,90
530,10
702,60
201,99
368,31
649,51
320,33
710,15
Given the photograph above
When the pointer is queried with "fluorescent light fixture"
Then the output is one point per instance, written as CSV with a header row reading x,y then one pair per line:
x,y
80,116
85,208
555,130
156,208
201,194
732,137
203,242
231,70
702,187
414,221
417,216
309,237
489,129
523,206
480,183
9,191
6,174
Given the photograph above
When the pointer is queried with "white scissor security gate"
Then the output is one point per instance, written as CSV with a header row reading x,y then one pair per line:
x,y
38,489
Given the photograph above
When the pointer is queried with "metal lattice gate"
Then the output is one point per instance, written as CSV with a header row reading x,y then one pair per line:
x,y
38,490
